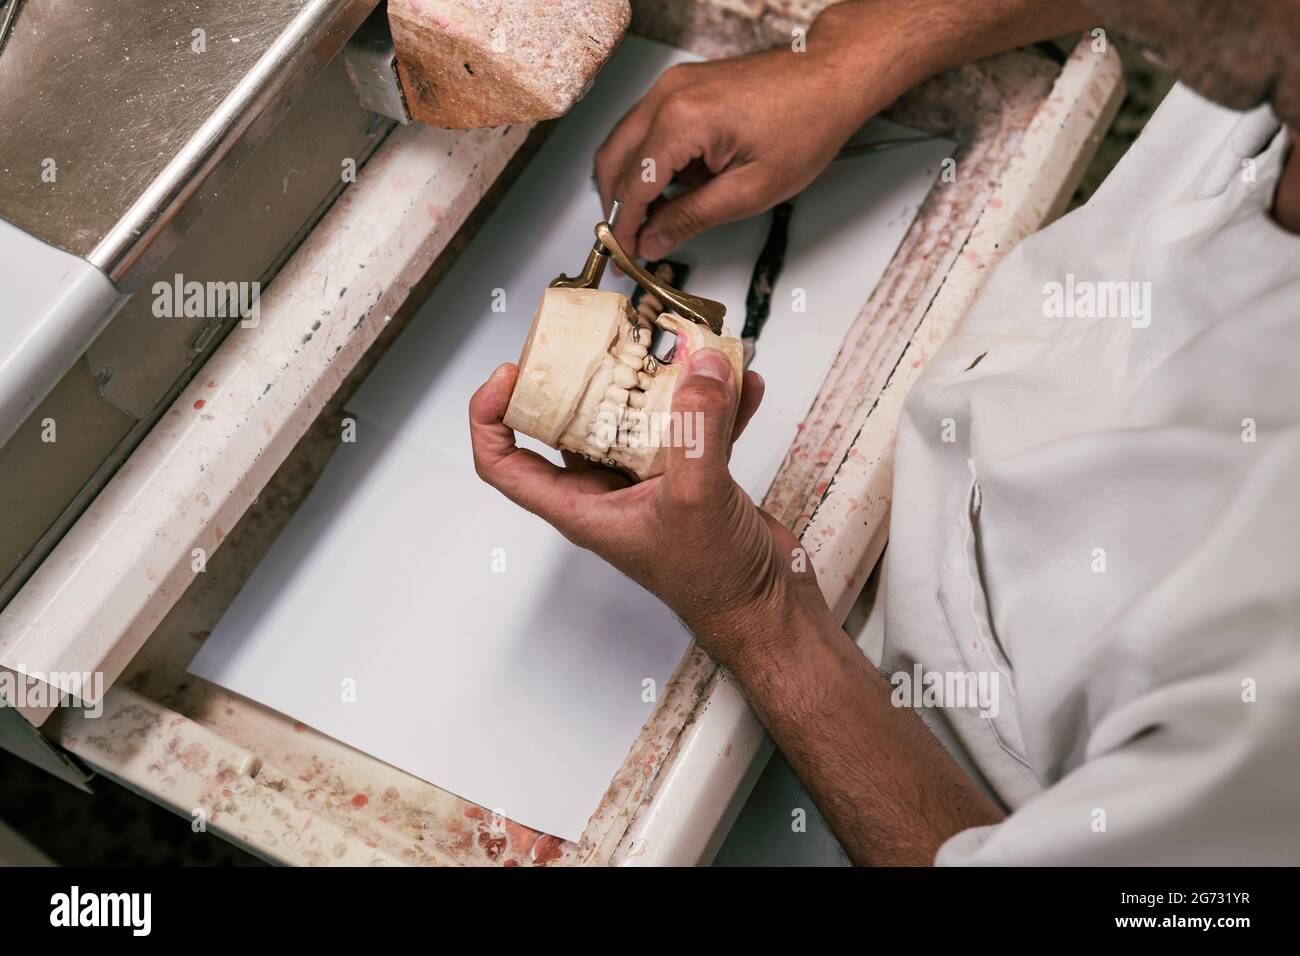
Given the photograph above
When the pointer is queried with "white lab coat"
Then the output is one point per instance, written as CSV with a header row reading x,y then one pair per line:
x,y
1113,525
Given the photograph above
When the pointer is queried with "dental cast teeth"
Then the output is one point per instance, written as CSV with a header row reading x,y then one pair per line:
x,y
589,383
617,385
633,355
625,376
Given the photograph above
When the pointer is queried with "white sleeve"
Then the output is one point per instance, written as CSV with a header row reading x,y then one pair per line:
x,y
1214,780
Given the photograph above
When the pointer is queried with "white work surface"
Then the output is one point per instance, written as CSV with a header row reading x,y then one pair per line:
x,y
382,615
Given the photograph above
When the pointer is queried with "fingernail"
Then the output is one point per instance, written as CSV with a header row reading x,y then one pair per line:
x,y
710,363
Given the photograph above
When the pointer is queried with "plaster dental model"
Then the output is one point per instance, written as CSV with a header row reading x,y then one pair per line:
x,y
588,382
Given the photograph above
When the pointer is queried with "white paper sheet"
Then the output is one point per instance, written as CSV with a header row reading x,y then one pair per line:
x,y
522,689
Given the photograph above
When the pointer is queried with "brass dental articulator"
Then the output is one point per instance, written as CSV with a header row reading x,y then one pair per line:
x,y
696,308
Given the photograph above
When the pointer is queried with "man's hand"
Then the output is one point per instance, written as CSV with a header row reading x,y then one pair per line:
x,y
690,536
743,134
747,133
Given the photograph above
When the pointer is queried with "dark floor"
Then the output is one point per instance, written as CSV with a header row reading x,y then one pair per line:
x,y
112,827
115,827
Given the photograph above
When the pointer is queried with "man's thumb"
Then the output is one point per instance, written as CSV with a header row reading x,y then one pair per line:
x,y
704,411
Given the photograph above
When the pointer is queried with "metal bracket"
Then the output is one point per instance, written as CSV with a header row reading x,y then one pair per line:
x,y
371,60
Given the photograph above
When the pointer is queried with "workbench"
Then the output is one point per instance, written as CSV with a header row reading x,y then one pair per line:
x,y
229,457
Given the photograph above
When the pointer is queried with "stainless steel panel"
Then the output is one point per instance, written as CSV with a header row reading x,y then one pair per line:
x,y
131,373
19,737
140,120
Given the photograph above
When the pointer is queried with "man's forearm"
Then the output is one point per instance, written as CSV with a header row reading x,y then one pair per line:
x,y
887,788
911,40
